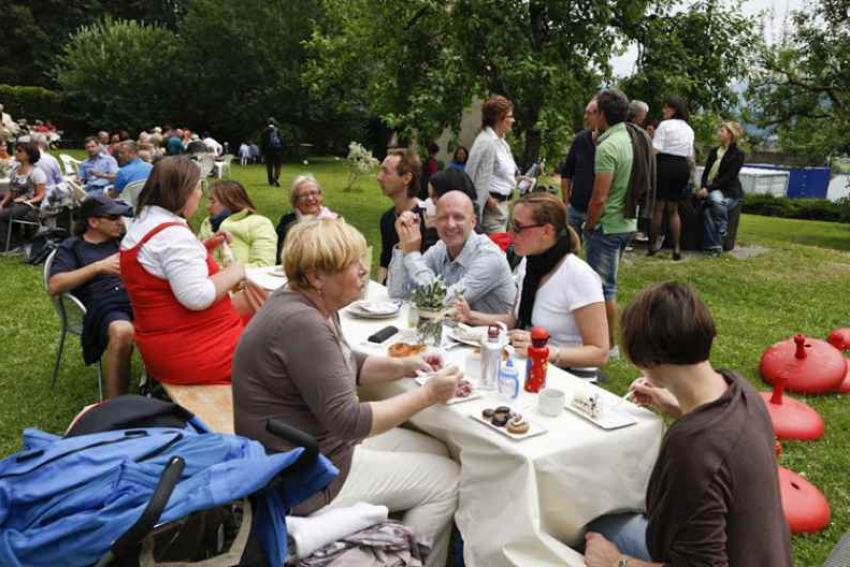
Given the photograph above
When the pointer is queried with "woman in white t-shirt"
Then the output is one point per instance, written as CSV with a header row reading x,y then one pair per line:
x,y
27,188
557,290
674,154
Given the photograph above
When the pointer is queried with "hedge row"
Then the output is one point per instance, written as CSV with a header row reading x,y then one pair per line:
x,y
37,103
808,209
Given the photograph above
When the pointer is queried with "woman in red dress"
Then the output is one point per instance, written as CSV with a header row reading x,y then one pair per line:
x,y
185,325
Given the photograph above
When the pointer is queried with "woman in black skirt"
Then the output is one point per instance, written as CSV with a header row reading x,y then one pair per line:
x,y
674,147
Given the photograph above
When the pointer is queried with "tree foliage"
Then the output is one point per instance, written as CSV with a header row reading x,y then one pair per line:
x,y
33,31
418,64
121,74
696,52
801,87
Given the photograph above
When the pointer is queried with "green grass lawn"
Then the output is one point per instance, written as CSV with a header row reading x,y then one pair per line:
x,y
800,284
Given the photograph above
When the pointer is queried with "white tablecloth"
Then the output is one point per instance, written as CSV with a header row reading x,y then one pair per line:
x,y
522,502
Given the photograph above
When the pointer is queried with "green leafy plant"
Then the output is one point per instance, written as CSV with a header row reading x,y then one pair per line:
x,y
431,297
360,163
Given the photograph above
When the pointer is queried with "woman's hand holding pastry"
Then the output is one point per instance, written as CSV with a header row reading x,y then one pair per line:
x,y
441,387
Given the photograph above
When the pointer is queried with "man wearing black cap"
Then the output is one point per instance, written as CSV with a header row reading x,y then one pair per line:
x,y
271,144
87,266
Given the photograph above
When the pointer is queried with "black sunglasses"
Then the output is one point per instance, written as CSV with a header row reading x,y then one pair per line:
x,y
517,228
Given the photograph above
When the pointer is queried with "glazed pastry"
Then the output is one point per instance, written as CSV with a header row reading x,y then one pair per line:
x,y
518,425
402,350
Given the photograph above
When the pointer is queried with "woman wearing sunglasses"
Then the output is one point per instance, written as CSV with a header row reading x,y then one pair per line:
x,y
557,290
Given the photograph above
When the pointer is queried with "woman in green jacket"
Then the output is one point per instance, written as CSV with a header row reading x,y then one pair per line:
x,y
231,210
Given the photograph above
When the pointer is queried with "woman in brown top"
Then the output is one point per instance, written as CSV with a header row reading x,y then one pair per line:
x,y
713,497
293,364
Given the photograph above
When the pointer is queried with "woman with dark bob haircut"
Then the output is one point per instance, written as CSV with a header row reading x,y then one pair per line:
x,y
185,325
713,496
27,188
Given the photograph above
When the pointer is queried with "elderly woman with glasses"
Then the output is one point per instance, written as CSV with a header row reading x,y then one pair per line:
x,y
307,201
294,364
557,290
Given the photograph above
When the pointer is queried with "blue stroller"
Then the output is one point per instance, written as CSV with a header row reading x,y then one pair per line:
x,y
99,498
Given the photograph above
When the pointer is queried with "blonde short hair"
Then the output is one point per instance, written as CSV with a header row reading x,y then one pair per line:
x,y
295,187
734,129
324,245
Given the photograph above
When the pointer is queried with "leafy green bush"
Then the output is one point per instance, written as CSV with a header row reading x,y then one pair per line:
x,y
31,102
808,209
120,74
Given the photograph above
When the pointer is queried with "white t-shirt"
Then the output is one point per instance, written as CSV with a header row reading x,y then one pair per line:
x,y
573,286
174,254
674,137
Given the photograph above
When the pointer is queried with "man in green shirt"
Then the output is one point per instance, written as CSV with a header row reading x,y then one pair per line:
x,y
608,232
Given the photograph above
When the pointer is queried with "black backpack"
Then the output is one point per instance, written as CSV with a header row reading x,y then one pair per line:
x,y
43,243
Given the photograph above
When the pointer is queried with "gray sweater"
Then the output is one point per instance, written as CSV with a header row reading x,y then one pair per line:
x,y
293,365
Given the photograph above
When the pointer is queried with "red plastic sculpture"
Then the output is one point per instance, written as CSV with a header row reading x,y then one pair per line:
x,y
840,338
805,507
809,366
792,419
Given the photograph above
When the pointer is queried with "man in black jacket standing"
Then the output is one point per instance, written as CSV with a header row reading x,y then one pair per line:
x,y
271,145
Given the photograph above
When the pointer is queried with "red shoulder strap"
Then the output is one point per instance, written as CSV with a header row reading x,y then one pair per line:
x,y
157,229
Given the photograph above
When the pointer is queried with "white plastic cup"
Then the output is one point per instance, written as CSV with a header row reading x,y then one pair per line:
x,y
472,366
550,401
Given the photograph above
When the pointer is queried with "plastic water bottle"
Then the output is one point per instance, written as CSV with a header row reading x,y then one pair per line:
x,y
509,381
491,359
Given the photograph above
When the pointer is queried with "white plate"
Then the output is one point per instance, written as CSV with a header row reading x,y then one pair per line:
x,y
475,395
612,418
455,336
533,431
380,310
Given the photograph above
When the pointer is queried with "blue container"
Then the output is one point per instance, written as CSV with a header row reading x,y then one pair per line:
x,y
803,182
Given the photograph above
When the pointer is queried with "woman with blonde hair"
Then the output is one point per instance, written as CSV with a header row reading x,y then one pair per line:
x,y
254,242
185,324
307,201
294,364
557,290
720,186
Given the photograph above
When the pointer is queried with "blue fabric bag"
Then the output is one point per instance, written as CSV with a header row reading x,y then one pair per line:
x,y
65,501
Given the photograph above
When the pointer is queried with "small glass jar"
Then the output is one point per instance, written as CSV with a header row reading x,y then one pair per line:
x,y
429,327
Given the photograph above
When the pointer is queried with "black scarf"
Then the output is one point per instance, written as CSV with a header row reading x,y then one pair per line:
x,y
535,268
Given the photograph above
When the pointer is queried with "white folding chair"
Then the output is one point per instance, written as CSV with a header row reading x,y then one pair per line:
x,y
71,312
222,165
71,165
130,194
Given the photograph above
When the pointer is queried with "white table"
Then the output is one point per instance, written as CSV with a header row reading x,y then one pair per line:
x,y
522,502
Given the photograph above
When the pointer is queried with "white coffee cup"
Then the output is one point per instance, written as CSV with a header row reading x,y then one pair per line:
x,y
551,402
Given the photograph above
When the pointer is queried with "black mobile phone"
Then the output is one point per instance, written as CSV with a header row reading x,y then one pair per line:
x,y
383,334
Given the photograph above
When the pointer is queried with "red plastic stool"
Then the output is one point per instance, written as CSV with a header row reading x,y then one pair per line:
x,y
792,419
809,366
805,507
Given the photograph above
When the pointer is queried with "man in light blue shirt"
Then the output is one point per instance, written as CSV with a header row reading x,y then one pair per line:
x,y
98,170
469,263
133,168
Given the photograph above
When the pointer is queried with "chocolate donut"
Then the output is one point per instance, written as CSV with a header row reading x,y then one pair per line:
x,y
500,419
487,413
503,409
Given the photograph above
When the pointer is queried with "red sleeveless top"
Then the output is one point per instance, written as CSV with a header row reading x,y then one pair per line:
x,y
178,345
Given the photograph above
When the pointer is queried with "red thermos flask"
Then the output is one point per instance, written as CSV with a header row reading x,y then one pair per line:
x,y
538,361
